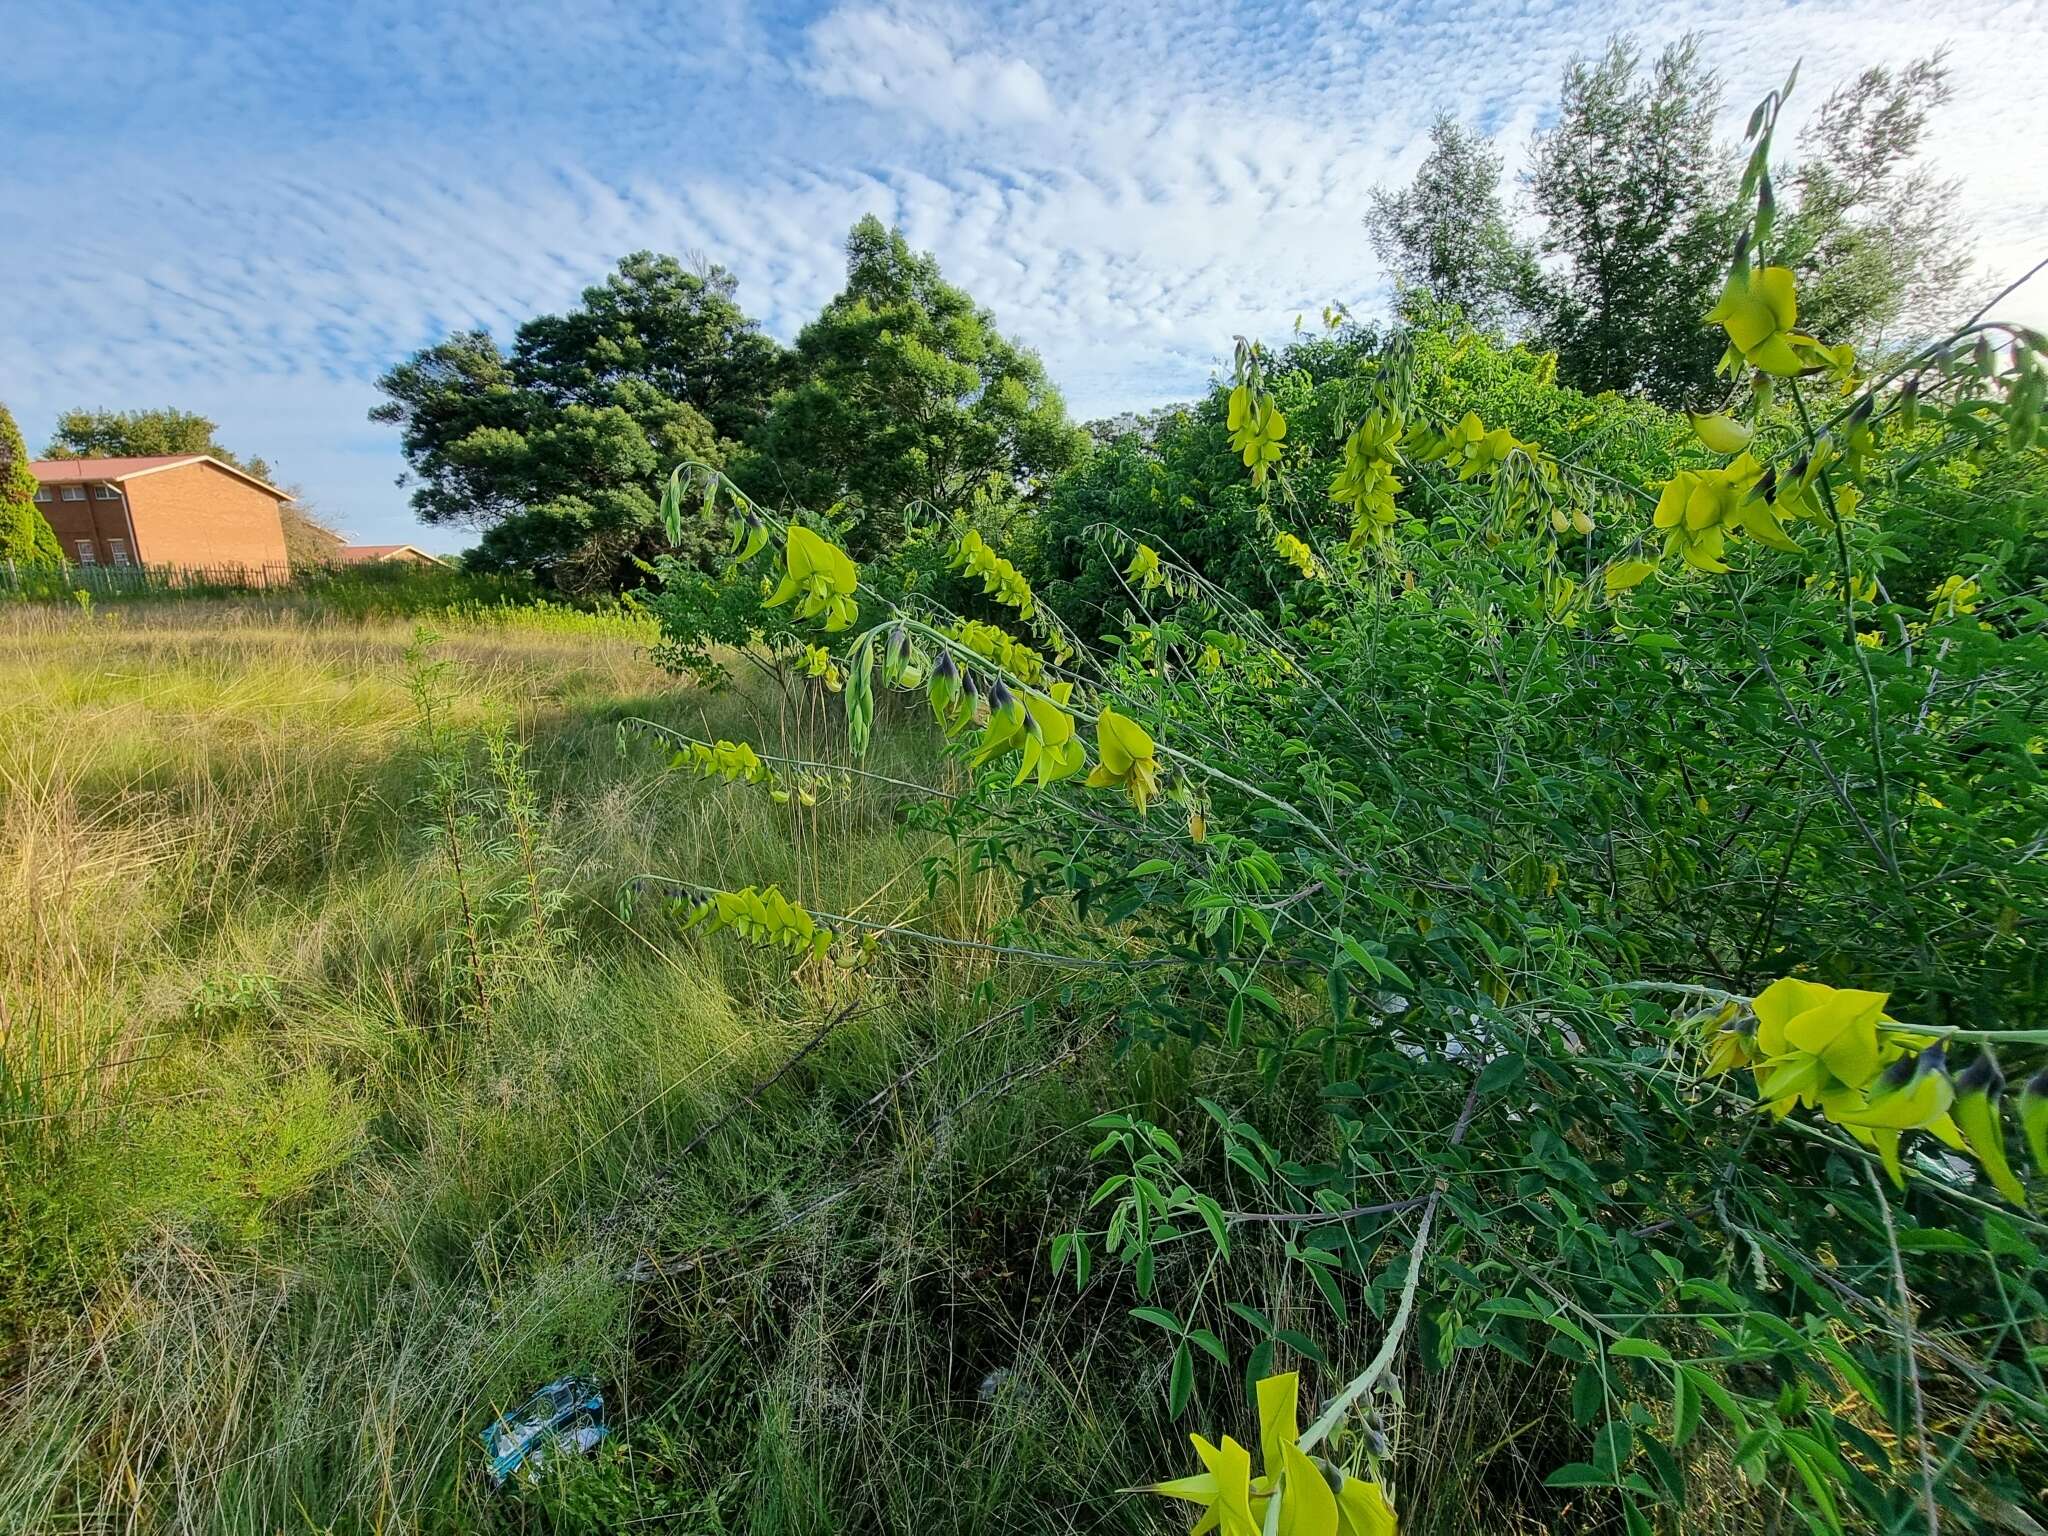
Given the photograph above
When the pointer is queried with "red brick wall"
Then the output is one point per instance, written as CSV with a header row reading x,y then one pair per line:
x,y
200,515
92,519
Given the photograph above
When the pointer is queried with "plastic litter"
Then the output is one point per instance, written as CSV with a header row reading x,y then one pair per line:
x,y
566,1415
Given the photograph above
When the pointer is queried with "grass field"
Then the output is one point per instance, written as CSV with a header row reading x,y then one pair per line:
x,y
292,1204
341,1105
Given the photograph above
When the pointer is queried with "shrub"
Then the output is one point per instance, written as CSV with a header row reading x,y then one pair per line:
x,y
1608,869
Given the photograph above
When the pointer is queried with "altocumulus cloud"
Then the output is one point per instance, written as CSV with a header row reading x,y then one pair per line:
x,y
265,209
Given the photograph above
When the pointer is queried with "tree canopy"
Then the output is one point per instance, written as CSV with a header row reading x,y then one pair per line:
x,y
1446,233
553,448
904,392
26,537
96,434
1633,192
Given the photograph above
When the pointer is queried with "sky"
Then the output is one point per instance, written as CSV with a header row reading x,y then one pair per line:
x,y
251,208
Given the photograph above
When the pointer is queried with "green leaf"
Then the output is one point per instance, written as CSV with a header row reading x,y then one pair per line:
x,y
1181,1383
1159,1317
1640,1349
1578,1474
1502,1072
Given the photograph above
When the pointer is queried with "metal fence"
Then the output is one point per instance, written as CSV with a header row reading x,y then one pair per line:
x,y
137,580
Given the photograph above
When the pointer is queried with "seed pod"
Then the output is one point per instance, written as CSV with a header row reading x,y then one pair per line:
x,y
1976,1115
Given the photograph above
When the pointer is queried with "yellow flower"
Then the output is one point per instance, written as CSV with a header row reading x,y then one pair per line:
x,y
1126,756
1144,569
1256,430
1758,308
820,573
1956,595
1297,554
1816,1040
1700,507
1238,1505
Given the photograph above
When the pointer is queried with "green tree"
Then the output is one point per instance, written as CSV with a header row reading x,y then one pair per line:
x,y
26,537
1634,196
905,392
1446,233
104,434
554,447
1875,237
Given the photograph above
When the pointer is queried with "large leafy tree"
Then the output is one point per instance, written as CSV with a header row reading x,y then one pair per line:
x,y
904,393
1875,237
1634,194
1446,233
26,537
555,447
95,434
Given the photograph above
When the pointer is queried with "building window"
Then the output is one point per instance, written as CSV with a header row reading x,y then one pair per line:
x,y
74,493
118,548
106,493
42,493
85,554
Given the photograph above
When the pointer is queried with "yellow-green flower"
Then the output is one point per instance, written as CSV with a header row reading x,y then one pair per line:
x,y
1236,1504
1297,554
1758,309
1144,569
1256,430
1125,756
1819,1044
1700,507
819,572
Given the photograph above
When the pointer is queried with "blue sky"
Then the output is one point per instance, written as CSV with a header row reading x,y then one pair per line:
x,y
251,209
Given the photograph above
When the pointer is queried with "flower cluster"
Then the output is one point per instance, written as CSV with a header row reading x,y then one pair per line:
x,y
1699,508
816,661
733,761
1758,309
1297,554
1314,1499
765,917
1256,430
999,579
1366,483
820,573
1001,648
1834,1049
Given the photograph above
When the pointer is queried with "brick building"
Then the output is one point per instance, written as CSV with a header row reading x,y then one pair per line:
x,y
180,511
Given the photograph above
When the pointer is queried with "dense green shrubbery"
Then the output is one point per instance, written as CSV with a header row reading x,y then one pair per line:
x,y
1470,820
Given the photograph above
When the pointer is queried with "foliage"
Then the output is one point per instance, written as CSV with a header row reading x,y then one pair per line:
x,y
1873,237
556,447
1480,854
26,537
903,396
93,434
1446,234
1633,194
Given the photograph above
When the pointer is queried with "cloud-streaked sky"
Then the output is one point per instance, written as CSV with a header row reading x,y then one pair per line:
x,y
252,207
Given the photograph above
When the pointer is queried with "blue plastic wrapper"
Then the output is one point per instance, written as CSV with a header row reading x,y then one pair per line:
x,y
565,1415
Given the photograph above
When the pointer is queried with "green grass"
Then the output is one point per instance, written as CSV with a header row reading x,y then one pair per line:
x,y
291,1205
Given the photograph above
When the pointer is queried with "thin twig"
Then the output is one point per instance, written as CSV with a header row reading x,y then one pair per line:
x,y
1891,1237
1397,1330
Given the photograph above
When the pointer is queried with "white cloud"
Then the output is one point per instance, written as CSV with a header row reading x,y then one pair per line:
x,y
900,63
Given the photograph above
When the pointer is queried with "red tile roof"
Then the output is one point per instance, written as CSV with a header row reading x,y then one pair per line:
x,y
105,469
51,471
361,553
